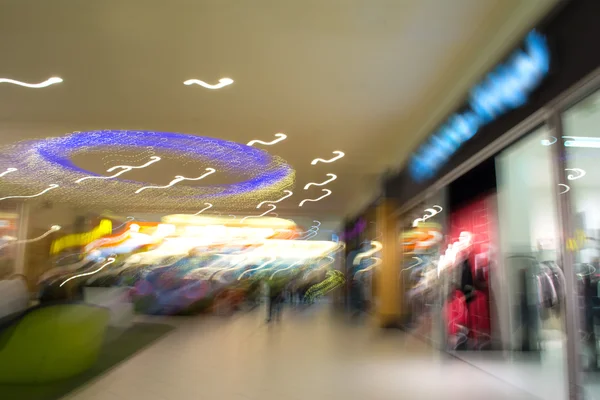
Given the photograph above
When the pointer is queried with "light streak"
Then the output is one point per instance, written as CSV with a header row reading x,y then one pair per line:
x,y
46,83
178,178
280,136
327,193
339,155
50,187
581,173
567,188
370,267
222,83
127,219
208,205
274,207
273,258
52,229
125,168
377,246
430,212
289,193
582,141
8,171
110,260
285,269
548,142
333,178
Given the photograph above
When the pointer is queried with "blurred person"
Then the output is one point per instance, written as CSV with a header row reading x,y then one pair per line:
x,y
275,293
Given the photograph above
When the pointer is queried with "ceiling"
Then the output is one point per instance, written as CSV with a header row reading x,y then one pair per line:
x,y
368,77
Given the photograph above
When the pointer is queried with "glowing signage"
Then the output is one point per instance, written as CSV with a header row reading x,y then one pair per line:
x,y
81,239
505,88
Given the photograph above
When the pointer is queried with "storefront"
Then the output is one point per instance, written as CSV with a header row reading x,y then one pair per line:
x,y
516,269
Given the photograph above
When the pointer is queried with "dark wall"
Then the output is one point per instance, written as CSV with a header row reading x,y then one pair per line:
x,y
573,34
478,181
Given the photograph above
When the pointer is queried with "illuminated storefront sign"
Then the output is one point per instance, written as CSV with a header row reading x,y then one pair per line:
x,y
81,239
502,90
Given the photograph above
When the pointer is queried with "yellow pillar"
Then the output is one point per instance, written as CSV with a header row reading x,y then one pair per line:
x,y
387,276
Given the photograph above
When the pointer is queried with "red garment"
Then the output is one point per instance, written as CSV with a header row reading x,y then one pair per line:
x,y
479,318
456,313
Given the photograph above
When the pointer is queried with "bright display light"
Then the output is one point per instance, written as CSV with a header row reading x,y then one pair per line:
x,y
258,174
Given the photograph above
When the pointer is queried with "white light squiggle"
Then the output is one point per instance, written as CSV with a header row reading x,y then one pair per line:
x,y
127,219
208,205
289,193
46,83
327,193
222,83
339,155
274,207
370,267
567,188
333,178
8,171
285,269
178,179
52,229
548,142
430,212
110,261
273,258
377,246
581,173
281,136
125,168
50,187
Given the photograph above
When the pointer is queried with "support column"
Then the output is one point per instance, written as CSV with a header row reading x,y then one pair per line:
x,y
387,276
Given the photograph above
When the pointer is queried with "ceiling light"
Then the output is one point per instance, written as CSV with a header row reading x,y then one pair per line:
x,y
50,187
178,179
327,193
289,193
222,83
280,136
581,173
273,208
47,82
125,168
339,154
8,171
208,205
333,178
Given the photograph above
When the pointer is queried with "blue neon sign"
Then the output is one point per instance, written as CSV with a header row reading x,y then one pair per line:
x,y
505,88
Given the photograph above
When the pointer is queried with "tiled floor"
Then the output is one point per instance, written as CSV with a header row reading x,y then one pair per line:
x,y
312,355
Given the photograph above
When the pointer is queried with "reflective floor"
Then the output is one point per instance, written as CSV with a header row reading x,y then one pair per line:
x,y
312,354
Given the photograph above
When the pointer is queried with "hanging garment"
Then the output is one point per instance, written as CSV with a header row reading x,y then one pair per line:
x,y
456,320
479,319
